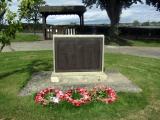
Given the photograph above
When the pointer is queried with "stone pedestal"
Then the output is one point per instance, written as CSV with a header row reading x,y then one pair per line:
x,y
78,77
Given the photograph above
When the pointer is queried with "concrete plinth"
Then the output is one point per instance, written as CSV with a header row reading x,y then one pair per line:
x,y
42,80
78,77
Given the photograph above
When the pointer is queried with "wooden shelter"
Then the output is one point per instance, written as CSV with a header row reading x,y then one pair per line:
x,y
61,10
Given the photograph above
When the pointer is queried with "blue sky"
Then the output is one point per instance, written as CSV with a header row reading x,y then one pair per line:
x,y
140,12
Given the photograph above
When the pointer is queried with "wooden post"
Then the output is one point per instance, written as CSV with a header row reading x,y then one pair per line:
x,y
82,17
81,20
44,26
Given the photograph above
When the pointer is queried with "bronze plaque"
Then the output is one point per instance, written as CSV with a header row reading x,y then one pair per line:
x,y
78,54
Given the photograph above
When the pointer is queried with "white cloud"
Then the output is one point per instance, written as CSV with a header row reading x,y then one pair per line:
x,y
63,2
14,5
62,19
96,16
140,12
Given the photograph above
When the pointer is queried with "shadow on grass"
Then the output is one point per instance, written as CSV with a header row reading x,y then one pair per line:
x,y
117,41
34,66
123,42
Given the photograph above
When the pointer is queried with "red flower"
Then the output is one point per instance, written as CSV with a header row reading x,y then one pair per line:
x,y
111,95
82,91
40,96
86,96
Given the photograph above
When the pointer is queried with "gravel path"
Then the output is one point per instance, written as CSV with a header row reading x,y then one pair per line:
x,y
153,52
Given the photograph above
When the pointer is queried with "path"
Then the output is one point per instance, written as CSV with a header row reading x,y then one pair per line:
x,y
153,52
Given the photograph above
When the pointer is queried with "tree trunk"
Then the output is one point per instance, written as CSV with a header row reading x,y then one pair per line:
x,y
3,45
114,10
34,27
35,23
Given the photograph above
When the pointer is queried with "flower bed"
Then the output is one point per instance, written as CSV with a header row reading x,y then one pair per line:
x,y
76,97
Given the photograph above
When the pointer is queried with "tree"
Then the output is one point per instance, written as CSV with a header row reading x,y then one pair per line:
x,y
146,23
113,9
155,3
2,15
29,10
153,23
7,33
3,5
136,23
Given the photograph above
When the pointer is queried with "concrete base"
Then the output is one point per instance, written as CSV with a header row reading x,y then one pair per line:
x,y
42,80
78,77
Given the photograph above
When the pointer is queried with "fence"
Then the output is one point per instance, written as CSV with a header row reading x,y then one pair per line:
x,y
127,32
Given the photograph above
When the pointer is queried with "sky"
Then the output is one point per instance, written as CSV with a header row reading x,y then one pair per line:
x,y
140,12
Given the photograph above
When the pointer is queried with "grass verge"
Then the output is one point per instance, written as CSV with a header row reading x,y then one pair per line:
x,y
145,43
26,37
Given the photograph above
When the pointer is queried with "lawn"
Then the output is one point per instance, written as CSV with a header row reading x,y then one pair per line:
x,y
139,43
26,37
145,43
16,69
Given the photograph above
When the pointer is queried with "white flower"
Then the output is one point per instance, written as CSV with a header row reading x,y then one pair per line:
x,y
54,99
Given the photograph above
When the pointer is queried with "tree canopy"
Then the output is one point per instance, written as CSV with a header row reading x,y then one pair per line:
x,y
29,9
106,3
13,25
114,10
155,3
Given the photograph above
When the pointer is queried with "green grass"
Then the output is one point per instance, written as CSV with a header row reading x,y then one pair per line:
x,y
16,69
148,43
24,37
139,43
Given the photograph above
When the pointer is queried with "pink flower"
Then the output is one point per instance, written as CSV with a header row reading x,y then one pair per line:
x,y
86,96
60,94
38,99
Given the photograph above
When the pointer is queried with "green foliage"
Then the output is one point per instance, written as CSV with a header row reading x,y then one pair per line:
x,y
47,96
98,95
146,23
29,10
13,25
3,4
3,7
103,4
101,94
136,23
76,95
10,31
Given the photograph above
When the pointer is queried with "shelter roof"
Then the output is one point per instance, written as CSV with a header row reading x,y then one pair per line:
x,y
61,10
